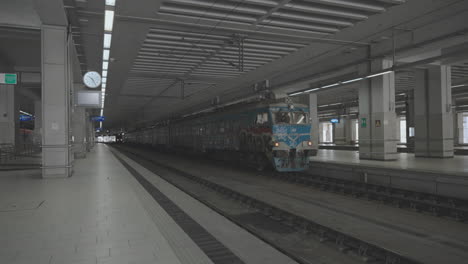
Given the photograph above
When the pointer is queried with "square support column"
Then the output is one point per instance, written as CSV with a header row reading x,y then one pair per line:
x,y
314,120
458,128
37,122
8,115
79,127
377,137
343,133
56,85
410,121
433,112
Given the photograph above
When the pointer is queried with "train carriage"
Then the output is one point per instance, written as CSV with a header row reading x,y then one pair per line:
x,y
275,134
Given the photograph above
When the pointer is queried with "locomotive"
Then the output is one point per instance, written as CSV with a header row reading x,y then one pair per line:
x,y
263,134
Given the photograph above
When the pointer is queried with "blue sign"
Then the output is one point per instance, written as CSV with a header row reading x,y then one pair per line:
x,y
98,118
334,120
25,118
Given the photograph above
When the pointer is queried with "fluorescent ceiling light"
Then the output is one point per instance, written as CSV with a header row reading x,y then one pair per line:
x,y
330,85
108,20
105,65
311,90
460,85
293,94
110,2
107,40
104,73
105,55
378,74
353,80
25,113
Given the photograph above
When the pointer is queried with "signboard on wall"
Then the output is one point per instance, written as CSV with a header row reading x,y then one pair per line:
x,y
97,118
8,78
25,118
90,99
363,122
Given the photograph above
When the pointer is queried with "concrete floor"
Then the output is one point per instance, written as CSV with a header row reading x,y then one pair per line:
x,y
96,216
457,165
102,215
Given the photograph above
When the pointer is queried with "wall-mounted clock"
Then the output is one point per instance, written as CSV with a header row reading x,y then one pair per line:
x,y
92,79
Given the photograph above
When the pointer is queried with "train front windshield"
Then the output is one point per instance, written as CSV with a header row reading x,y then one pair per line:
x,y
293,118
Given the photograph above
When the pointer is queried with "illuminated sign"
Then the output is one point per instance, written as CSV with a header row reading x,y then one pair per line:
x,y
8,78
334,120
97,118
25,118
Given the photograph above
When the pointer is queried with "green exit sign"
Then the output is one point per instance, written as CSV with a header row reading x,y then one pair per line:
x,y
8,78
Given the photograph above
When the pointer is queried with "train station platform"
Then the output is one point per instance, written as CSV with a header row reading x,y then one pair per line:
x,y
104,214
447,177
401,148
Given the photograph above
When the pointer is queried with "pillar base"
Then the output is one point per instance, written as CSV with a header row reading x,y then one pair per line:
x,y
378,156
55,172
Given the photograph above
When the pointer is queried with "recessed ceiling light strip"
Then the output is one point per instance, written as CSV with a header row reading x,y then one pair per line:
x,y
109,14
372,75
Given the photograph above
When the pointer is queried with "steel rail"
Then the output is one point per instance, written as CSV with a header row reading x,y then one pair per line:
x,y
433,204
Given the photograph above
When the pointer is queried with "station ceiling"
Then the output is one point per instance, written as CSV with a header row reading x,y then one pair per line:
x,y
172,57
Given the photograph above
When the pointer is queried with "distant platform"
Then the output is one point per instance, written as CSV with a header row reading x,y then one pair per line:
x,y
447,177
401,148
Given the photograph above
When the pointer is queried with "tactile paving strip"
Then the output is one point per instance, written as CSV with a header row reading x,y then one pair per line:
x,y
215,250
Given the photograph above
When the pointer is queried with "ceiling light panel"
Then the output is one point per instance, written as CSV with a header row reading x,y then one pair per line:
x,y
107,40
108,20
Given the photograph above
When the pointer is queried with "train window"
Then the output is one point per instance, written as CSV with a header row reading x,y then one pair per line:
x,y
300,118
282,117
221,127
262,118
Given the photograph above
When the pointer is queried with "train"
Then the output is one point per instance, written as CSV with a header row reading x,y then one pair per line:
x,y
262,134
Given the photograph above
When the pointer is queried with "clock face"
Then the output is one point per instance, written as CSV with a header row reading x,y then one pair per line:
x,y
92,79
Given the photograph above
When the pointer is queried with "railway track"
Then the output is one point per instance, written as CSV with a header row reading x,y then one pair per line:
x,y
367,251
425,203
435,205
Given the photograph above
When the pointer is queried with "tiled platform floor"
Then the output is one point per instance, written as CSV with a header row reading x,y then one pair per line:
x,y
102,215
457,165
93,217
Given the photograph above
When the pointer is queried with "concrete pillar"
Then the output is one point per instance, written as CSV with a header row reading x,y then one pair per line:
x,y
37,122
458,128
343,131
433,112
339,137
90,133
377,139
410,121
79,128
314,120
8,115
397,129
56,151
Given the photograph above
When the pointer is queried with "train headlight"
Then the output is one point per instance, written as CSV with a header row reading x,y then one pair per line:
x,y
276,144
309,143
